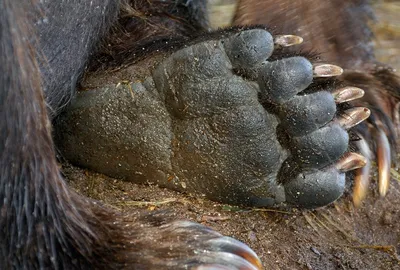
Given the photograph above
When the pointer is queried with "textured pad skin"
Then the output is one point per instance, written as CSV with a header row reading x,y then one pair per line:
x,y
195,124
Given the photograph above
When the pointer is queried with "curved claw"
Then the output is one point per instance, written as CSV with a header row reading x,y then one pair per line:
x,y
287,40
351,161
384,162
223,260
362,179
327,70
347,94
227,244
353,117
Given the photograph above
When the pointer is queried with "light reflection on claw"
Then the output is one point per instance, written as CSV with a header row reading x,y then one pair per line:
x,y
353,117
327,70
362,161
362,179
287,40
383,156
384,162
347,94
351,161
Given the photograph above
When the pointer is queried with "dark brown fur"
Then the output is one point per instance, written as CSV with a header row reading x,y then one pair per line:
x,y
44,224
336,29
39,215
148,24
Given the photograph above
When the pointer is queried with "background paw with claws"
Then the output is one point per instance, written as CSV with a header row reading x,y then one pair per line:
x,y
230,117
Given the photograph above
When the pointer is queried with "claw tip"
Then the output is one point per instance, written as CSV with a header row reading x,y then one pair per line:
x,y
327,70
288,40
347,94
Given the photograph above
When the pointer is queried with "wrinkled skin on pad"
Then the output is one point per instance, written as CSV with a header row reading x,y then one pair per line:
x,y
195,125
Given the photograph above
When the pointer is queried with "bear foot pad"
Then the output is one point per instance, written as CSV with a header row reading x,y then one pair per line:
x,y
232,118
